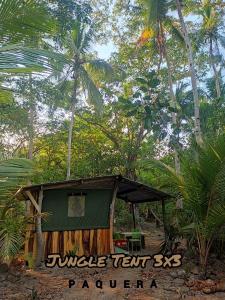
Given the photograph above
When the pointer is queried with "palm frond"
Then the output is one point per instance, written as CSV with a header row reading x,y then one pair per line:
x,y
5,95
10,243
24,20
99,67
155,11
87,39
19,59
94,96
173,28
15,168
77,33
8,7
12,172
70,44
215,219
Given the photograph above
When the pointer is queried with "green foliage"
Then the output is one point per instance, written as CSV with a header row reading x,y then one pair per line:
x,y
132,92
123,216
201,185
116,235
172,236
73,252
12,173
30,260
12,226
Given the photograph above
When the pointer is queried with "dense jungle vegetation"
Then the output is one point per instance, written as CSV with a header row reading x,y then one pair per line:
x,y
90,88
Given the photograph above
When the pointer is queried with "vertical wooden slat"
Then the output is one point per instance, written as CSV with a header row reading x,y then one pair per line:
x,y
49,243
89,242
99,243
86,241
81,242
47,250
31,243
44,236
94,247
102,240
61,243
65,239
40,242
55,241
69,243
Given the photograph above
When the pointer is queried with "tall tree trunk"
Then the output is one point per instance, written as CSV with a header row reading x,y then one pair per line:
x,y
173,98
70,134
31,133
216,77
198,133
31,117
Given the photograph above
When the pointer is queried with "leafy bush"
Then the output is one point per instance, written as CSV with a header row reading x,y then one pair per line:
x,y
202,186
12,220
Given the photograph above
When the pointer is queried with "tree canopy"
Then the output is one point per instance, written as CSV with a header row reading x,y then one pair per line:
x,y
157,93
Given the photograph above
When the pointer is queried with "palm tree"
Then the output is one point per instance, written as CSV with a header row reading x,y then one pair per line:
x,y
210,33
198,132
24,23
158,23
12,174
202,186
82,69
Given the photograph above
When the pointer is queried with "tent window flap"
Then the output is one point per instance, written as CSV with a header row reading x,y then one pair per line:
x,y
76,206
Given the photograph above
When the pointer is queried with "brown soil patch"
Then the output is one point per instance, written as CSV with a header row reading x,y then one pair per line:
x,y
53,283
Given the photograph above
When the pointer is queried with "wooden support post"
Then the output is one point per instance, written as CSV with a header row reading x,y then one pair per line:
x,y
133,213
40,243
33,201
163,217
27,203
38,207
112,208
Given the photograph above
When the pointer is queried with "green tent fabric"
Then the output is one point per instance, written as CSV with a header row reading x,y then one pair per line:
x,y
96,215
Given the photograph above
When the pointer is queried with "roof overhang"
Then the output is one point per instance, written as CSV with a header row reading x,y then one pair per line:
x,y
128,190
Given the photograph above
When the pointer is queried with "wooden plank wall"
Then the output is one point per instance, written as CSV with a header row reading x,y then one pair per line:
x,y
87,242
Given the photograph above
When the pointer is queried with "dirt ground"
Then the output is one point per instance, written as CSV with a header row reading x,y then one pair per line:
x,y
179,283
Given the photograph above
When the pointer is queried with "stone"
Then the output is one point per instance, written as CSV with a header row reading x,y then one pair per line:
x,y
18,296
209,282
178,282
220,295
3,277
181,273
4,268
192,277
206,290
12,278
173,274
184,290
195,270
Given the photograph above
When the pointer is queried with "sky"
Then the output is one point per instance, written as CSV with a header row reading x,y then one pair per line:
x,y
104,51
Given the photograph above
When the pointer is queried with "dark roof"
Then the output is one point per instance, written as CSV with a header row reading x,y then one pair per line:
x,y
128,190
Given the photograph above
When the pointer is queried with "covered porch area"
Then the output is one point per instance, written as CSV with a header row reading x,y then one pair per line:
x,y
135,194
